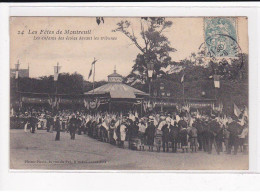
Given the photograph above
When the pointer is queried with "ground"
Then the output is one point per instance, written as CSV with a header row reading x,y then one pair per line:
x,y
40,151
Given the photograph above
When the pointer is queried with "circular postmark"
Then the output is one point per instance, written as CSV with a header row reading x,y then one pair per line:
x,y
222,45
222,48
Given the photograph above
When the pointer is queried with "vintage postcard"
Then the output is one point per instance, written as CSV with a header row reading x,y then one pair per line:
x,y
129,93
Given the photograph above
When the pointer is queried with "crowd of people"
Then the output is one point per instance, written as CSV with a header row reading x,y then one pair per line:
x,y
180,131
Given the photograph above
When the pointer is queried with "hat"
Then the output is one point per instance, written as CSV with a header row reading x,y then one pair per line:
x,y
168,119
212,116
162,117
151,120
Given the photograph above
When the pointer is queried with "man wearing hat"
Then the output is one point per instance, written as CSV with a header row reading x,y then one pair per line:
x,y
174,131
57,127
149,133
166,134
213,130
112,129
73,126
33,122
235,130
193,134
133,134
199,126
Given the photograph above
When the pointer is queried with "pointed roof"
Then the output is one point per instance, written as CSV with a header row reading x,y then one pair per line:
x,y
117,90
115,74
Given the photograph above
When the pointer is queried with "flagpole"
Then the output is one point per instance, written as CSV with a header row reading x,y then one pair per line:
x,y
56,82
183,90
56,85
94,76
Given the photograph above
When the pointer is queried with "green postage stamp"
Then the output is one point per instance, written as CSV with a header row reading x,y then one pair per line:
x,y
221,38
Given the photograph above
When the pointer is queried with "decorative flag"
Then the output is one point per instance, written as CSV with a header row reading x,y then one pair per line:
x,y
12,112
221,107
90,72
16,74
182,78
216,81
20,103
86,104
105,124
186,107
154,104
98,103
53,103
56,72
242,121
92,64
190,120
17,65
177,118
198,116
58,103
50,101
136,114
237,111
246,112
132,117
145,105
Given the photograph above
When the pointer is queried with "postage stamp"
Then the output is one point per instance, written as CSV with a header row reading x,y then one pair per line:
x,y
221,37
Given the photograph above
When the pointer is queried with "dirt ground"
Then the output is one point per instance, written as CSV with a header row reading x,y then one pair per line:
x,y
40,151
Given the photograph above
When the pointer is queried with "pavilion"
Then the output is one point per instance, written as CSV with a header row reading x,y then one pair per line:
x,y
117,96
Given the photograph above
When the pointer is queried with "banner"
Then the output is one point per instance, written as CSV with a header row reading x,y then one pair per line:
x,y
216,81
56,72
16,74
237,111
182,78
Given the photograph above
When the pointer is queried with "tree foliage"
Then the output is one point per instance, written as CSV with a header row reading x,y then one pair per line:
x,y
67,84
153,45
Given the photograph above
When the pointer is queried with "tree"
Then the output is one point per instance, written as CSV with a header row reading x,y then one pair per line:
x,y
154,46
70,83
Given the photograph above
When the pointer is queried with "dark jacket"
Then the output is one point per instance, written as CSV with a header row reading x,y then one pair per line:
x,y
73,124
150,132
214,127
174,131
57,125
33,121
166,133
182,124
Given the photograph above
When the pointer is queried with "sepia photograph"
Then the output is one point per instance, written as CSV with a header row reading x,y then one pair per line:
x,y
129,93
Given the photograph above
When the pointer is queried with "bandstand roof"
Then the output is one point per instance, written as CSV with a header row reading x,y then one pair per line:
x,y
116,88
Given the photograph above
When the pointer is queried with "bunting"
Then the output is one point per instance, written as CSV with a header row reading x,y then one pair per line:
x,y
56,72
237,111
216,81
182,78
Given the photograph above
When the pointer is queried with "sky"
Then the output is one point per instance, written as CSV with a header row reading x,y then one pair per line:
x,y
185,35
